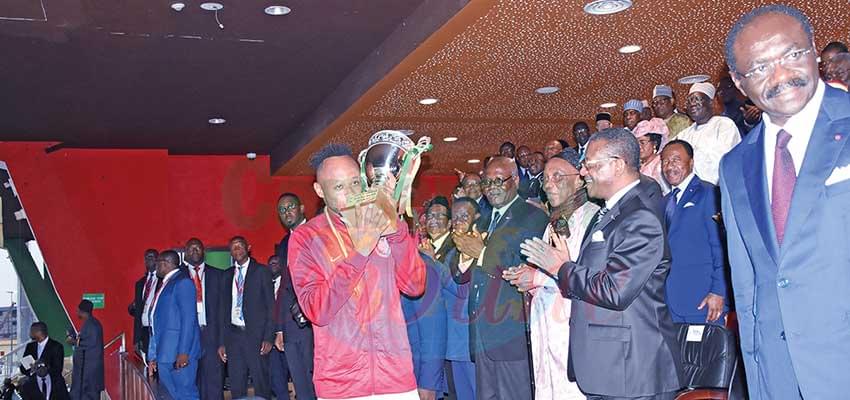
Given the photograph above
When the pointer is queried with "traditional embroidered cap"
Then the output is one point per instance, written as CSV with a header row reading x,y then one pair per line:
x,y
662,90
704,88
654,125
633,105
603,116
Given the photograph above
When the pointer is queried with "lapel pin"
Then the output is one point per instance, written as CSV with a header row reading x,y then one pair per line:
x,y
837,137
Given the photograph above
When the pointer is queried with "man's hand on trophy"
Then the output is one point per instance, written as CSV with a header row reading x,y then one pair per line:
x,y
367,228
471,244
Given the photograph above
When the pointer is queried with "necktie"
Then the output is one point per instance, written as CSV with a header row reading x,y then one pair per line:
x,y
581,153
598,217
784,179
493,223
43,386
670,207
199,289
148,284
240,287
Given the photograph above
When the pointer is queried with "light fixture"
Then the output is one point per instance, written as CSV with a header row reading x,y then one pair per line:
x,y
178,6
473,161
547,90
278,10
216,121
212,6
691,79
450,139
428,101
632,48
605,7
608,105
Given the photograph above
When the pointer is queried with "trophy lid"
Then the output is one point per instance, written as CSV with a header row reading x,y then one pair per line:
x,y
393,137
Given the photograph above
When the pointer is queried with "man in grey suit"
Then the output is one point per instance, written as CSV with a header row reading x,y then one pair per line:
x,y
785,196
622,340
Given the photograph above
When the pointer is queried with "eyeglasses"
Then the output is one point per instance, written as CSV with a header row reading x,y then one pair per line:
x,y
497,181
592,164
794,57
461,217
289,207
470,184
436,216
555,178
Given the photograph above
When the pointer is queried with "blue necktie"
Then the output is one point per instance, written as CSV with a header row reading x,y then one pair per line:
x,y
493,223
670,208
240,289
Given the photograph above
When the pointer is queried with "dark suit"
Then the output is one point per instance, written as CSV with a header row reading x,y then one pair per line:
x,y
141,334
243,343
175,332
210,368
497,335
298,342
622,339
53,355
699,260
58,390
87,378
484,207
791,299
532,188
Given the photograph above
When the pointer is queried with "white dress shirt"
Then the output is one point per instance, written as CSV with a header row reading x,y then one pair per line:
x,y
276,282
683,185
45,380
146,311
711,141
438,242
40,348
236,312
610,203
800,128
202,309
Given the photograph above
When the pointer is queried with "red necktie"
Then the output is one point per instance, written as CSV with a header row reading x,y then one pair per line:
x,y
784,179
147,287
199,291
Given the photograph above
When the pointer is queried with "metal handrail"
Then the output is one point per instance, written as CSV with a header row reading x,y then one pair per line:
x,y
122,337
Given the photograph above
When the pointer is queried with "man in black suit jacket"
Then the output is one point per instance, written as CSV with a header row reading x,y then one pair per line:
x,y
292,338
43,385
472,186
43,348
498,340
247,321
532,188
622,341
144,290
209,279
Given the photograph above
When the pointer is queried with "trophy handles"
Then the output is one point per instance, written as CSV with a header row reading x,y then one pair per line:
x,y
361,159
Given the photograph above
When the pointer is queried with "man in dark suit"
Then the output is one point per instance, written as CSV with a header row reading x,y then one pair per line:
x,y
472,186
522,154
175,345
43,385
696,288
247,321
532,188
144,290
208,281
785,192
294,334
498,338
622,340
581,134
43,348
87,379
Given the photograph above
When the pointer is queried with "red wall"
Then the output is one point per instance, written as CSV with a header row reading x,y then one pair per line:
x,y
94,212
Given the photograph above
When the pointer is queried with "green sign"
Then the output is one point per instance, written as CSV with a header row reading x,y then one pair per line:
x,y
95,298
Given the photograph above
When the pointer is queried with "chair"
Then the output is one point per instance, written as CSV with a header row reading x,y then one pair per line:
x,y
709,358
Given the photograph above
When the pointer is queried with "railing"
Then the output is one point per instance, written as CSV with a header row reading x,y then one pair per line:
x,y
10,361
125,373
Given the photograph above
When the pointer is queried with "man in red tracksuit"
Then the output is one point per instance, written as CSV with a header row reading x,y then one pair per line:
x,y
347,276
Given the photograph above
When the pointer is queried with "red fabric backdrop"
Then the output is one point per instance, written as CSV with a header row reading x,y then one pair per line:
x,y
94,212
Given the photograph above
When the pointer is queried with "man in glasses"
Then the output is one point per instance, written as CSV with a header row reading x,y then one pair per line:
x,y
784,193
622,339
472,186
497,316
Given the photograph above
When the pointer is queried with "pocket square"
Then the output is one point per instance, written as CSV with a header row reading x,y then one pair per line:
x,y
688,204
597,236
839,174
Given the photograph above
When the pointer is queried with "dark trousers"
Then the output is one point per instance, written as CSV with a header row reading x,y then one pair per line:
x,y
243,359
210,373
498,380
299,358
279,374
659,396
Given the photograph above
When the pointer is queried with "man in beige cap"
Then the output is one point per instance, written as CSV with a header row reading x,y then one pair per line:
x,y
711,135
664,106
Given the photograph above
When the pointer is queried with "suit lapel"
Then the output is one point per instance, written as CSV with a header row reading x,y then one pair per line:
x,y
606,219
691,193
755,179
829,136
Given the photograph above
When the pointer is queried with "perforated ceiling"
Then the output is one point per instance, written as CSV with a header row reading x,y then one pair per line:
x,y
485,76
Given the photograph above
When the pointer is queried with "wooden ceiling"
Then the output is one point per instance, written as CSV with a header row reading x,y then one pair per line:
x,y
486,62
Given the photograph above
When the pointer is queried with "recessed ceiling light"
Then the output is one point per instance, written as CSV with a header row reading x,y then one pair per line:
x,y
632,48
547,90
450,139
473,161
428,101
278,10
212,6
691,79
605,7
178,6
608,105
216,121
